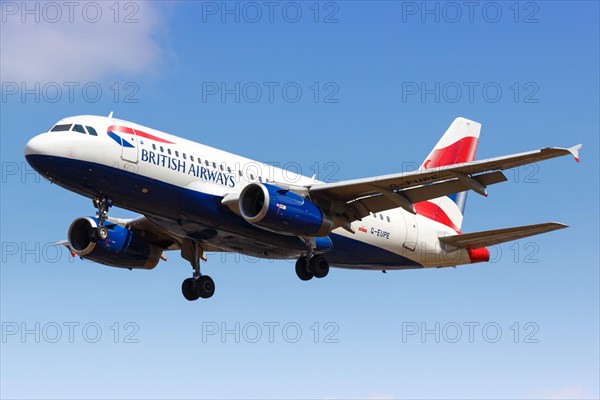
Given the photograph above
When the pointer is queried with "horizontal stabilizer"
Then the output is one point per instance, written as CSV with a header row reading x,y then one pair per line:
x,y
476,240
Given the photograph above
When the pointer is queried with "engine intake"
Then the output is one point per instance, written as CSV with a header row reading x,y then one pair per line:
x,y
283,211
122,248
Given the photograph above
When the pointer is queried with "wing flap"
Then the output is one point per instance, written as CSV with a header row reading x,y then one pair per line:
x,y
378,202
489,238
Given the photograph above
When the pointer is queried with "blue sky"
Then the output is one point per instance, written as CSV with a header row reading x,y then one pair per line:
x,y
379,84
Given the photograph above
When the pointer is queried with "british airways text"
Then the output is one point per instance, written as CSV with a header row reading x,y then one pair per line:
x,y
196,170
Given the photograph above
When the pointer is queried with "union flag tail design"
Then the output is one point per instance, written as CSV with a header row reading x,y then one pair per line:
x,y
458,145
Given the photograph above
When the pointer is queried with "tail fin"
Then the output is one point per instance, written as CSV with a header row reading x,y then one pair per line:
x,y
457,145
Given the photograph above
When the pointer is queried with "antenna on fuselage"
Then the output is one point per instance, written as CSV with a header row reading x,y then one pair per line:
x,y
110,115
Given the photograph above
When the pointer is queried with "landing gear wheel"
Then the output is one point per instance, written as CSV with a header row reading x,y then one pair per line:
x,y
319,266
188,289
204,286
102,232
302,269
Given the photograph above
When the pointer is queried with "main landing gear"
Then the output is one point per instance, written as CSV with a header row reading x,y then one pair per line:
x,y
315,266
102,203
198,285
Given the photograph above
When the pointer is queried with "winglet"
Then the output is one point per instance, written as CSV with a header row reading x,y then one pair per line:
x,y
575,151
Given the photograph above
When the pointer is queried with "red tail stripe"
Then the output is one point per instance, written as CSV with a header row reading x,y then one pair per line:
x,y
458,152
124,129
434,212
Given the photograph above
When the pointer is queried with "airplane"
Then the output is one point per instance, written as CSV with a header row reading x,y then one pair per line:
x,y
195,199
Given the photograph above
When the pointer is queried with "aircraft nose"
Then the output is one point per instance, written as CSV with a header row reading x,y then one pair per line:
x,y
39,151
39,145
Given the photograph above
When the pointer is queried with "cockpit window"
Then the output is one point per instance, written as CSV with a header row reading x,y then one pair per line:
x,y
91,131
61,128
79,128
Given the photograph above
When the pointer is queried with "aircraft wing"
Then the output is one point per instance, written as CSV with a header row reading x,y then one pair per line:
x,y
156,234
489,238
150,231
353,198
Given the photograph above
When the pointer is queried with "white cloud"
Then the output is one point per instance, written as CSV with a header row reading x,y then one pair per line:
x,y
75,49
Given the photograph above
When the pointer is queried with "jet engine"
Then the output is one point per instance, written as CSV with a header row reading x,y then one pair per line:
x,y
122,248
283,211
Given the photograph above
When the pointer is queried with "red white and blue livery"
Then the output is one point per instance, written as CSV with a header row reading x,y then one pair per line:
x,y
195,199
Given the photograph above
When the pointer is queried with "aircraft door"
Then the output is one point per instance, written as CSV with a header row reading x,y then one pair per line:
x,y
410,243
129,145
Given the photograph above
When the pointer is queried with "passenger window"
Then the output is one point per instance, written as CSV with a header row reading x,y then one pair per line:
x,y
153,146
61,128
388,219
161,149
374,215
176,153
229,169
91,131
169,151
381,216
214,165
260,178
183,155
221,167
206,162
240,172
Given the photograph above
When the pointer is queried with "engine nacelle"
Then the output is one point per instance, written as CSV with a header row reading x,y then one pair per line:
x,y
122,248
283,211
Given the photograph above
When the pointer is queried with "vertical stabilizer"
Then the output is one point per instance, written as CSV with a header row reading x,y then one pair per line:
x,y
457,145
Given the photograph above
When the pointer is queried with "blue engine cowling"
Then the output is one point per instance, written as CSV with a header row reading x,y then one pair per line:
x,y
283,211
122,248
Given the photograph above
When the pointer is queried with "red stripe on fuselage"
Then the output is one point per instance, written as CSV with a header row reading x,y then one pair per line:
x,y
434,212
124,129
458,152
